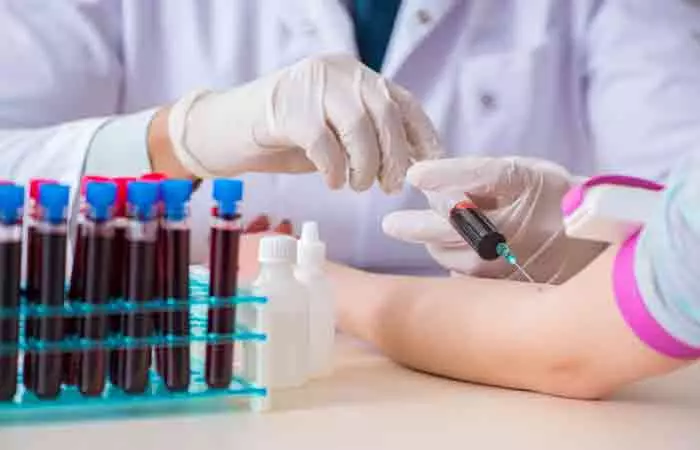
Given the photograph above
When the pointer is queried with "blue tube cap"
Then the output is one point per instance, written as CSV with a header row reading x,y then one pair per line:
x,y
53,199
100,196
176,194
11,202
227,192
142,196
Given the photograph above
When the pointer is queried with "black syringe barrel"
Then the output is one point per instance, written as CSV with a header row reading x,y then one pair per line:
x,y
141,250
11,200
223,283
51,231
476,229
99,237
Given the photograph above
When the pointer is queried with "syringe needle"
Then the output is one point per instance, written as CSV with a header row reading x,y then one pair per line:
x,y
522,271
504,250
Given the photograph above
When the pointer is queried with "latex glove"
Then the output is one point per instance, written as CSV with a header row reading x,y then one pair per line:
x,y
521,197
330,114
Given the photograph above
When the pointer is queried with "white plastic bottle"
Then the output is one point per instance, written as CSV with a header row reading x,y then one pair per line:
x,y
286,314
310,270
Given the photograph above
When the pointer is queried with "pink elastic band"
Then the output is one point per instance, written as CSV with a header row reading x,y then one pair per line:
x,y
635,312
574,198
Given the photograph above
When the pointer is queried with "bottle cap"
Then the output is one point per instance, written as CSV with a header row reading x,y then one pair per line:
x,y
88,178
277,249
122,189
227,192
11,201
53,199
176,195
100,195
311,249
142,196
35,184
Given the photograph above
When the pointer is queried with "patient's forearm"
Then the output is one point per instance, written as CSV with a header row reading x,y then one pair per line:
x,y
474,329
568,340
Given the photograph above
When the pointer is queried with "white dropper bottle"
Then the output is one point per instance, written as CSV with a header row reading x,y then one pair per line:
x,y
310,270
287,324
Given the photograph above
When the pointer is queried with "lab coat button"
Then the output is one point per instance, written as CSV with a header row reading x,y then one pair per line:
x,y
423,17
308,28
487,100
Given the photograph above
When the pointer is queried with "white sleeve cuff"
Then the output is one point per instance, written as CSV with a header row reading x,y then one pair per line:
x,y
120,148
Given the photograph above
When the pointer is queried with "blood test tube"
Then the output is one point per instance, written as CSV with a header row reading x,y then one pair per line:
x,y
51,231
11,201
33,277
159,277
223,283
76,291
141,237
175,321
119,271
99,234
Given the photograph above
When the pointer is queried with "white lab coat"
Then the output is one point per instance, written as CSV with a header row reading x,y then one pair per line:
x,y
593,85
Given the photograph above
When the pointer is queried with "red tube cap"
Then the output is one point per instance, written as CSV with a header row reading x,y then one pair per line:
x,y
122,189
154,176
36,183
88,178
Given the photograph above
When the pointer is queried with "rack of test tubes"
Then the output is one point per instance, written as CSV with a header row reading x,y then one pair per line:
x,y
125,326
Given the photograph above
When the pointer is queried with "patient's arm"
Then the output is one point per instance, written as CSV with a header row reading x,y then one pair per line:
x,y
567,340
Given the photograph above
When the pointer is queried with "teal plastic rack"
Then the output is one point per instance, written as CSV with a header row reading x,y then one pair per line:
x,y
244,392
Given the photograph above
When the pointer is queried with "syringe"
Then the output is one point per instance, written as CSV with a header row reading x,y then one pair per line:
x,y
482,235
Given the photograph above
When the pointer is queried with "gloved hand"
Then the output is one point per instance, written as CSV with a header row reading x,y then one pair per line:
x,y
522,198
330,114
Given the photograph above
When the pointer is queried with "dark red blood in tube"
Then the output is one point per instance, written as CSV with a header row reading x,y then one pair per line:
x,y
176,358
119,273
33,279
137,325
50,328
94,327
221,319
11,270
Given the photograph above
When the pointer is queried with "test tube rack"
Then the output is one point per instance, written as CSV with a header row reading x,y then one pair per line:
x,y
246,390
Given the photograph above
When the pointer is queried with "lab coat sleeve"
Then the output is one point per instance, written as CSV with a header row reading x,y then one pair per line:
x,y
120,148
643,84
60,78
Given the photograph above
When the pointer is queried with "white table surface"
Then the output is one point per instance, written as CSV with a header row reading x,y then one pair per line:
x,y
371,403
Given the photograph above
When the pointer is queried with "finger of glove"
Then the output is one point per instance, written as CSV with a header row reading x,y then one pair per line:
x,y
393,142
481,176
353,124
420,131
420,227
299,116
326,153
